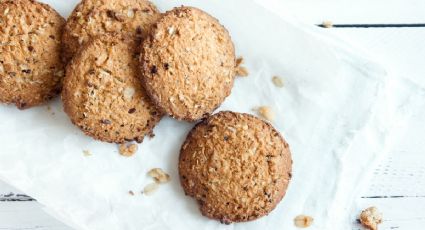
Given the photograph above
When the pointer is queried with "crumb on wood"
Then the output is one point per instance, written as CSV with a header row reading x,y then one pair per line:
x,y
128,150
327,24
265,112
370,218
277,81
159,175
150,189
303,221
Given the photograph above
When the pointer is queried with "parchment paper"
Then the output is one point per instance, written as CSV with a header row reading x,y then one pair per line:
x,y
330,97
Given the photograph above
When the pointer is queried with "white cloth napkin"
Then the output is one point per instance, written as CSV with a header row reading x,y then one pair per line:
x,y
332,97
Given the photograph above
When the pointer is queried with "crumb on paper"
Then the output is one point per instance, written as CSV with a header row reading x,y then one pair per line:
x,y
327,24
159,175
150,189
277,81
303,221
239,61
131,193
370,218
265,112
87,153
128,150
241,71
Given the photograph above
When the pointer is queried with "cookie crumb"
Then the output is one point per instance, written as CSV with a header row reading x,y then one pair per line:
x,y
128,150
87,153
303,221
150,189
370,218
239,61
241,71
131,193
159,175
277,81
327,24
265,112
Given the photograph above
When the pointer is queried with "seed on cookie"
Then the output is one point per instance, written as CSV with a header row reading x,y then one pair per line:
x,y
106,99
92,18
195,84
28,67
236,166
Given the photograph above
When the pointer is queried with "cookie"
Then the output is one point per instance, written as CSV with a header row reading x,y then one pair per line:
x,y
31,70
102,93
93,18
188,63
236,166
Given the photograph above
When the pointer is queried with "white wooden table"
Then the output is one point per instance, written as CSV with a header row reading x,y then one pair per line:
x,y
397,186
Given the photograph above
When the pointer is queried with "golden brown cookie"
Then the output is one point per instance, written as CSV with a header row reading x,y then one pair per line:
x,y
93,18
102,93
236,166
188,62
31,70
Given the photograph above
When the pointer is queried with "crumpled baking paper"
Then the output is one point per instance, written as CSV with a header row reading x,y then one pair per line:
x,y
331,97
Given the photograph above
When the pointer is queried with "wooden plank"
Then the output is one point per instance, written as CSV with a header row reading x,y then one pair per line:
x,y
400,50
345,11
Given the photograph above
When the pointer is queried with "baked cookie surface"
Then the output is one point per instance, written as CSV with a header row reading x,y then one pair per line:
x,y
93,18
188,63
31,70
102,93
236,166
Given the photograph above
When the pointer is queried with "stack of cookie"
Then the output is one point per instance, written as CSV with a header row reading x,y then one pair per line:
x,y
122,65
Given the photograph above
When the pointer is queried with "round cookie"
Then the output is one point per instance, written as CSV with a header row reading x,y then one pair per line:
x,y
93,18
31,70
102,93
188,63
236,166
